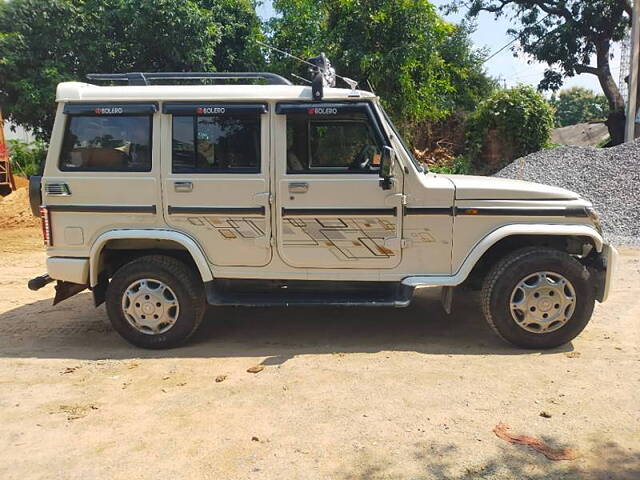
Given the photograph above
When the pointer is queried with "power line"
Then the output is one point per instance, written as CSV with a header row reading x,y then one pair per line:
x,y
514,40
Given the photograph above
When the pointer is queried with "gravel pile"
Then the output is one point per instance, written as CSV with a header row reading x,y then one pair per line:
x,y
608,177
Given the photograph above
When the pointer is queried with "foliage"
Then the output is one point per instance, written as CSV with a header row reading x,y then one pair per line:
x,y
27,157
459,165
578,105
43,43
567,34
465,65
522,118
604,143
422,67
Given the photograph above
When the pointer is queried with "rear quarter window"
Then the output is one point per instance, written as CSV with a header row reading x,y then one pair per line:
x,y
107,144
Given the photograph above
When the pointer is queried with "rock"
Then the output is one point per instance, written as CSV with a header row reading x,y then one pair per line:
x,y
255,369
545,414
608,177
221,378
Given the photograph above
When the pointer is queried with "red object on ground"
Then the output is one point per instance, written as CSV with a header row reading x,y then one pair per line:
x,y
501,431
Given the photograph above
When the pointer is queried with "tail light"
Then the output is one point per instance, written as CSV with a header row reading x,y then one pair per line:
x,y
45,216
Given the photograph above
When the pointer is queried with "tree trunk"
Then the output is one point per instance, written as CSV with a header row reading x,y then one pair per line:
x,y
616,119
616,125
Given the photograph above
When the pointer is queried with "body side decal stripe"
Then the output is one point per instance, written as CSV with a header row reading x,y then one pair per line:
x,y
523,211
103,208
292,212
428,211
215,210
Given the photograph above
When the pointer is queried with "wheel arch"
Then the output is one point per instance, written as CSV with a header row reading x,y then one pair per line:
x,y
147,240
504,240
514,236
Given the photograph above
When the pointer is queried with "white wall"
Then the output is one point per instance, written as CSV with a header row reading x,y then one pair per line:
x,y
19,134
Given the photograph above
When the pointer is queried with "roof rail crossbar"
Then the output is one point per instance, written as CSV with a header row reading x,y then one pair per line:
x,y
140,78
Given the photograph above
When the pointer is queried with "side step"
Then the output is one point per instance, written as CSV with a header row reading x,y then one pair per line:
x,y
276,293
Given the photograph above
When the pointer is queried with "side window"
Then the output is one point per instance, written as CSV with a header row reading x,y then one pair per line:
x,y
343,143
216,144
107,144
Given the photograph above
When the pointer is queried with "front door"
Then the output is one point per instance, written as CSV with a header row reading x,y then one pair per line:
x,y
330,209
216,178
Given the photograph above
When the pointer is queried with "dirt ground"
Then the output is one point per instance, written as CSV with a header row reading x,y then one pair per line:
x,y
344,393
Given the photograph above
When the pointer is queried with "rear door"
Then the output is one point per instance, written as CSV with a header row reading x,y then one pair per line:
x,y
216,180
330,209
102,172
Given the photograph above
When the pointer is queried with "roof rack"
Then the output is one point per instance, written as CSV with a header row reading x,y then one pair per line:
x,y
141,78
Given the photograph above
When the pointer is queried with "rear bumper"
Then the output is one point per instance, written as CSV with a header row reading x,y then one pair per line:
x,y
70,274
69,269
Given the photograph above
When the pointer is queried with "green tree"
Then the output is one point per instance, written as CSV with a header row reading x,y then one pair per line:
x,y
568,35
43,43
576,105
465,65
519,119
239,26
421,66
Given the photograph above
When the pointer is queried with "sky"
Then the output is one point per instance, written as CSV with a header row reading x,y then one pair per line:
x,y
492,34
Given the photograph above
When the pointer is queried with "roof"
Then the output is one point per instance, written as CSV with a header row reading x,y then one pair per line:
x,y
78,91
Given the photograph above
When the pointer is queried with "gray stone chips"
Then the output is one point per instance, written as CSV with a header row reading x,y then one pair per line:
x,y
608,177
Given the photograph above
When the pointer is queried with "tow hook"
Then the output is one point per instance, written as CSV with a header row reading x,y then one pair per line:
x,y
38,282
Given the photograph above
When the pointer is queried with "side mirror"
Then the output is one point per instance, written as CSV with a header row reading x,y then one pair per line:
x,y
387,164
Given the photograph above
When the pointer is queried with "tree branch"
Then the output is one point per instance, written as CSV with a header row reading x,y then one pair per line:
x,y
554,10
586,69
546,6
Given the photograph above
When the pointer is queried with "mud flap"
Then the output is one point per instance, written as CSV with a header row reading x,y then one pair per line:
x,y
447,299
100,290
66,290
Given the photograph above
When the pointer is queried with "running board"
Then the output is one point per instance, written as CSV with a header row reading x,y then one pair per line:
x,y
253,293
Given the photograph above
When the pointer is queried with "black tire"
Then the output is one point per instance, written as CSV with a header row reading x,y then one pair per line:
x,y
510,270
182,280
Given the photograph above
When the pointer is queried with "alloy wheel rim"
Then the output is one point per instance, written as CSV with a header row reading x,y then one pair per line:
x,y
542,302
150,306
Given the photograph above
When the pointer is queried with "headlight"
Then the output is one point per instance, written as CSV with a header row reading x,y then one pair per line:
x,y
595,219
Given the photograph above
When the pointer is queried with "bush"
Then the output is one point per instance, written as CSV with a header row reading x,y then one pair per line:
x,y
459,164
509,124
26,157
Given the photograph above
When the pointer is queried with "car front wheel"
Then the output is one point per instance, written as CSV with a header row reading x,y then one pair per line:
x,y
538,297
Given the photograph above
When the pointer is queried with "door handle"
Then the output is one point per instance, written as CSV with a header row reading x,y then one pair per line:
x,y
183,186
298,187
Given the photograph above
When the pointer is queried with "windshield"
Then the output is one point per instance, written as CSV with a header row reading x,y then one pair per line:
x,y
413,159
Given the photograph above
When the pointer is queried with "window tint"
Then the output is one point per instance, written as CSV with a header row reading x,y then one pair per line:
x,y
103,144
216,144
346,144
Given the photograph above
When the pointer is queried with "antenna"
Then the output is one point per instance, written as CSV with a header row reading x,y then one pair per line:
x,y
324,75
300,78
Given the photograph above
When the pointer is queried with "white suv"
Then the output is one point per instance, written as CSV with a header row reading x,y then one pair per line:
x,y
162,199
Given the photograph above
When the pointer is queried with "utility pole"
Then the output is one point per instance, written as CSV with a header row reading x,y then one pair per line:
x,y
632,104
623,73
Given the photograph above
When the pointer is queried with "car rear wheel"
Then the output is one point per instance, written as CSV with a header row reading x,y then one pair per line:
x,y
155,301
538,297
